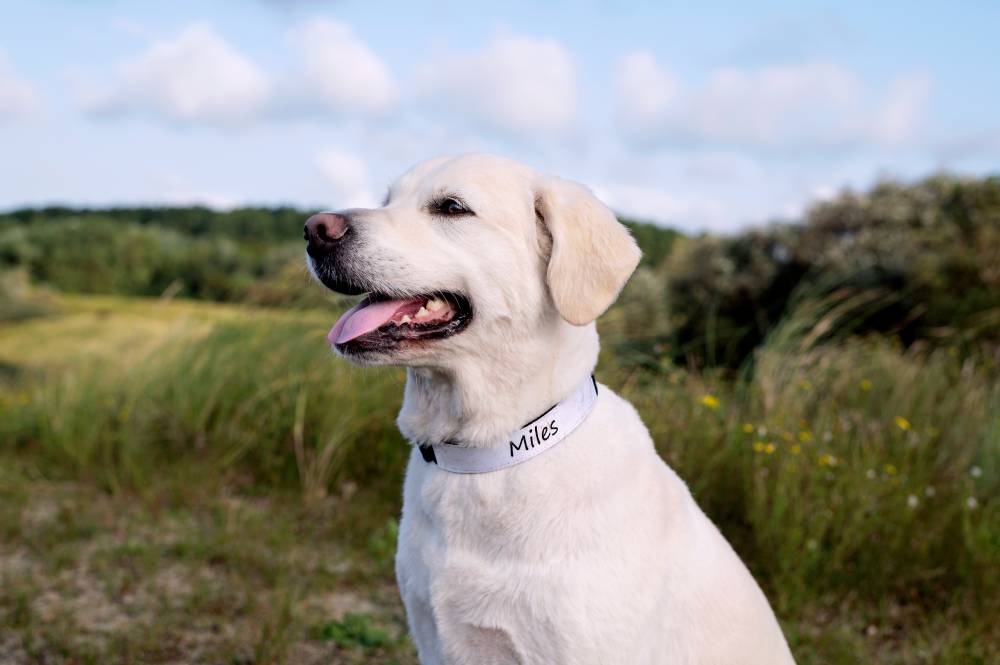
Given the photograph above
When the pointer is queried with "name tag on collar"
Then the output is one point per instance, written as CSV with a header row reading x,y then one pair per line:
x,y
531,440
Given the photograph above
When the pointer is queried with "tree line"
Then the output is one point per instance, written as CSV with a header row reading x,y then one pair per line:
x,y
919,261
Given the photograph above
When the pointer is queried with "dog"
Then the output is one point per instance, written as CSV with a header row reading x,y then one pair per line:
x,y
564,541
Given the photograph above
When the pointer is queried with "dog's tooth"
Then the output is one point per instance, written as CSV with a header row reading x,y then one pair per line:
x,y
422,313
434,304
406,319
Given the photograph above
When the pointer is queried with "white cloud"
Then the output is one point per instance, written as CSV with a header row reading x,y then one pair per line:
x,y
900,115
518,85
347,175
646,91
341,72
195,77
18,98
779,106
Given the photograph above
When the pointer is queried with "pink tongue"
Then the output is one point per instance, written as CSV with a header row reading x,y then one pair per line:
x,y
362,319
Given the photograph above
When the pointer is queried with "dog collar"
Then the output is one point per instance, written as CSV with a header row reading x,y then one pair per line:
x,y
533,439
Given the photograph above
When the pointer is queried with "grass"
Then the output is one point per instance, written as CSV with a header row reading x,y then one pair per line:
x,y
202,483
92,577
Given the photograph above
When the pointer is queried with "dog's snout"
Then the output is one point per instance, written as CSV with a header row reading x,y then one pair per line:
x,y
324,230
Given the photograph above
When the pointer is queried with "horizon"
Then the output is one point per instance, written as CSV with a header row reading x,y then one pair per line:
x,y
800,219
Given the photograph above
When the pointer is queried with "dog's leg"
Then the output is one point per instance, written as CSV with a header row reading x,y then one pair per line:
x,y
423,630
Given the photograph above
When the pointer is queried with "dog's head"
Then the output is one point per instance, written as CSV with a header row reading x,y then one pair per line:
x,y
467,251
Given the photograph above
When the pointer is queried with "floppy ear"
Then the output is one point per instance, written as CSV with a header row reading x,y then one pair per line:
x,y
593,255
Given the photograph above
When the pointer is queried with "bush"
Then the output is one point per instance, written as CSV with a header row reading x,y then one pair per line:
x,y
101,256
928,255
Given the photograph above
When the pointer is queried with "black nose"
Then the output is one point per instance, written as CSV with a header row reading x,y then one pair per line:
x,y
323,231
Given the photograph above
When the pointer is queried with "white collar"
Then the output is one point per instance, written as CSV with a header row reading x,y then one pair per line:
x,y
536,437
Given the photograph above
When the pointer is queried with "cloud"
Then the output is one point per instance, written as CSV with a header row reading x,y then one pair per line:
x,y
340,72
900,115
517,85
195,77
347,175
812,104
18,98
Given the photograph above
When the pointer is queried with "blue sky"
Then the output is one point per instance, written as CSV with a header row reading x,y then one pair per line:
x,y
707,116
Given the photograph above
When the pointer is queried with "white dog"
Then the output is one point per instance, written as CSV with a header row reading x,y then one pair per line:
x,y
563,541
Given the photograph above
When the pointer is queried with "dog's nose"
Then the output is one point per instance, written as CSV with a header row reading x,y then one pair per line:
x,y
324,230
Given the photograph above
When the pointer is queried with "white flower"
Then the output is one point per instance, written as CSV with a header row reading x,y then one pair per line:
x,y
971,503
870,474
929,491
912,501
975,472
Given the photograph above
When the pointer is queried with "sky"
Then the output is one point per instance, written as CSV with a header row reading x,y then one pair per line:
x,y
701,116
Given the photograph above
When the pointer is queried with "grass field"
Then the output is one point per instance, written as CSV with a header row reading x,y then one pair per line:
x,y
184,482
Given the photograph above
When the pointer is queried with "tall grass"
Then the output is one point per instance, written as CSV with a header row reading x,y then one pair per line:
x,y
849,472
262,398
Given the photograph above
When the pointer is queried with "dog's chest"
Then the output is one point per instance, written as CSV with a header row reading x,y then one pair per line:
x,y
482,581
530,557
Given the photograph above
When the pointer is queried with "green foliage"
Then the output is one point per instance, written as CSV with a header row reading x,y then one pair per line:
x,y
252,255
259,396
854,463
928,255
839,436
19,300
253,225
655,241
354,630
101,256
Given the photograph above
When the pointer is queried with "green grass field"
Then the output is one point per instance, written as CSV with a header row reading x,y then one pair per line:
x,y
191,482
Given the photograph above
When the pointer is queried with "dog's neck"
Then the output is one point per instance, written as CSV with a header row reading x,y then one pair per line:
x,y
492,393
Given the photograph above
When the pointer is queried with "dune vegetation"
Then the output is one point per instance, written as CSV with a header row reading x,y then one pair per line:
x,y
188,475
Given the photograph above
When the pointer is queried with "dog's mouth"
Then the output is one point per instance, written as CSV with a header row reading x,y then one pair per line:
x,y
382,323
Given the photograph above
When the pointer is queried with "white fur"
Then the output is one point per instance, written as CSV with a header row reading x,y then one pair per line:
x,y
593,552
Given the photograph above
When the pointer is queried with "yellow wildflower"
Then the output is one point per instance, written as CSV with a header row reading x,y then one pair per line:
x,y
748,428
902,423
865,385
711,401
827,459
891,469
759,446
805,436
796,449
770,448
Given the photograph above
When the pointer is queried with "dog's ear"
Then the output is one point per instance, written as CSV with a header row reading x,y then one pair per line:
x,y
592,256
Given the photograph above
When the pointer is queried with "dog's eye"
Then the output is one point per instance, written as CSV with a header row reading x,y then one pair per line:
x,y
450,206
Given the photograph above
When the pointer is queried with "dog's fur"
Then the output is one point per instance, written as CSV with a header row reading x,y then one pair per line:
x,y
593,552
